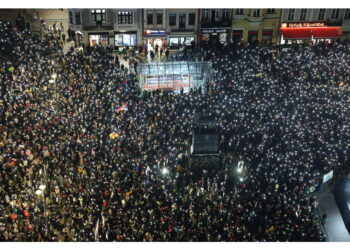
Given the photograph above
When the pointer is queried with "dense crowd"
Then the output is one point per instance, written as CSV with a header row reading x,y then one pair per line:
x,y
283,110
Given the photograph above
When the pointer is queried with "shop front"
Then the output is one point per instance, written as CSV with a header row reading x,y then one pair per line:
x,y
237,35
153,38
176,42
267,36
214,35
301,32
125,39
100,39
253,36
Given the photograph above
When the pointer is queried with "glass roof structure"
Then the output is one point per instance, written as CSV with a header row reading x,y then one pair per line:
x,y
175,75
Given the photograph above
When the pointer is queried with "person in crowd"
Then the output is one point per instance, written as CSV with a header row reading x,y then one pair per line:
x,y
114,160
167,52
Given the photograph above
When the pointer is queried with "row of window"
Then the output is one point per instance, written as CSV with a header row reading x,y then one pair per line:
x,y
172,19
150,18
182,19
321,14
256,12
98,15
216,13
303,13
126,17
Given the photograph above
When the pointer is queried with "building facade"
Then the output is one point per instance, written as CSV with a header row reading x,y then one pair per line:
x,y
181,27
154,28
215,25
127,27
117,28
75,31
331,23
346,25
98,26
256,25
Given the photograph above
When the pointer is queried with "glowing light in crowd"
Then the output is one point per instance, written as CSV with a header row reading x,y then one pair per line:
x,y
240,166
165,171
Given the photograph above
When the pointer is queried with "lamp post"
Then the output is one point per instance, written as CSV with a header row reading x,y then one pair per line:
x,y
41,192
53,80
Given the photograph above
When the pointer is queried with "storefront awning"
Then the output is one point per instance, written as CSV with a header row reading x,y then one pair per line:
x,y
312,32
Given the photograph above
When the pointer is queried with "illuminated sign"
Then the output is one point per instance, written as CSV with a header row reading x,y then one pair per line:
x,y
303,25
155,33
174,81
311,32
210,31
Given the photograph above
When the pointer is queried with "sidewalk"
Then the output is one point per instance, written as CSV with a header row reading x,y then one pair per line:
x,y
67,46
334,227
142,58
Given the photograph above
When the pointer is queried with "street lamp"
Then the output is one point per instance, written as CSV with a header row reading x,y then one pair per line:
x,y
40,192
53,80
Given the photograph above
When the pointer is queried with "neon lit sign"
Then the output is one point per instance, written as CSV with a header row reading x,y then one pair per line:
x,y
303,25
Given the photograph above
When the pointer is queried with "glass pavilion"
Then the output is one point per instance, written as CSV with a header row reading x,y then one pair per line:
x,y
175,75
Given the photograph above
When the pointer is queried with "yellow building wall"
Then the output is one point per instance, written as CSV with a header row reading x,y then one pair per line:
x,y
247,22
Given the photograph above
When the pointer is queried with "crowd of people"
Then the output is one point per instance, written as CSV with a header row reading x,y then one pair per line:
x,y
283,110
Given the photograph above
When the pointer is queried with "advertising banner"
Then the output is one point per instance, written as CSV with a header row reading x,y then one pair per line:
x,y
173,81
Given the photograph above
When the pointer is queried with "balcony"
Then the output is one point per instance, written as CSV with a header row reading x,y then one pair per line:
x,y
98,26
206,23
182,30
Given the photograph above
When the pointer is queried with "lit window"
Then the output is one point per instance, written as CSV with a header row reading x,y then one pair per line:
x,y
98,15
125,17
